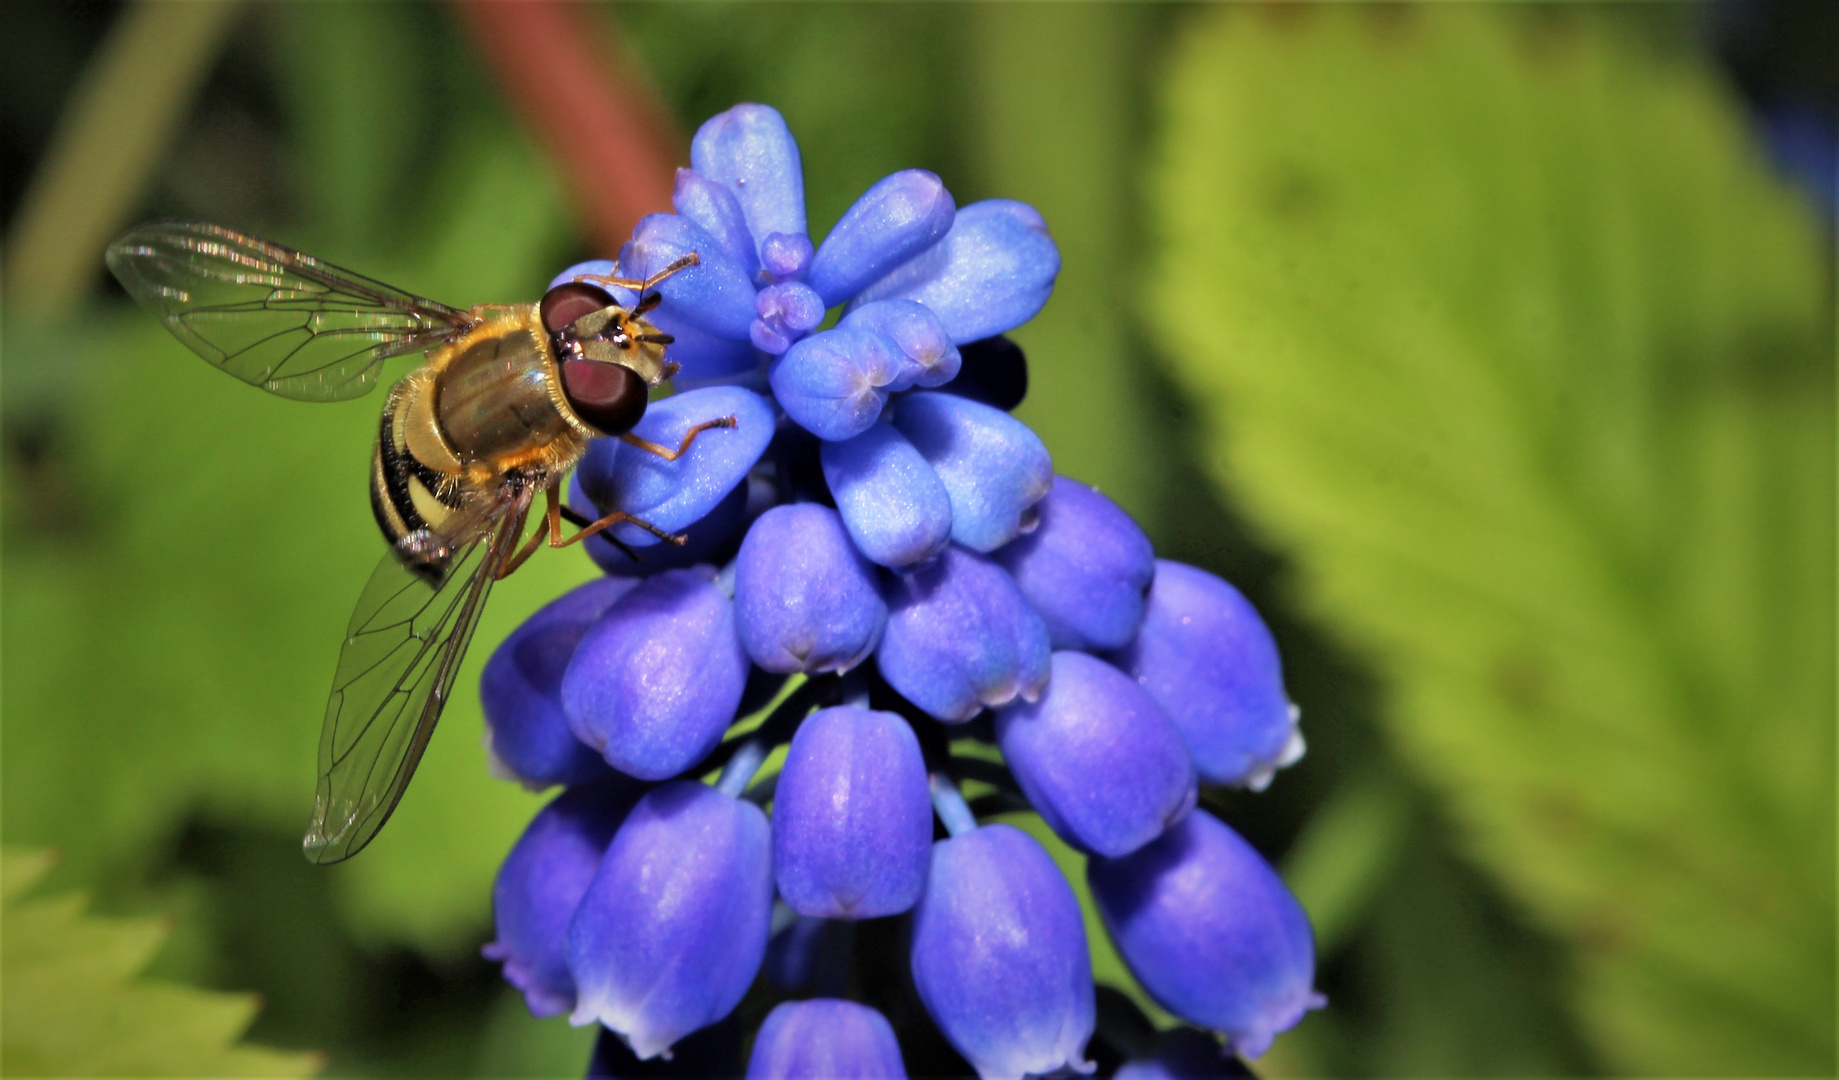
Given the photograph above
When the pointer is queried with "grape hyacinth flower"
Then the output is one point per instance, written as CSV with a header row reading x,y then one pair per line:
x,y
877,591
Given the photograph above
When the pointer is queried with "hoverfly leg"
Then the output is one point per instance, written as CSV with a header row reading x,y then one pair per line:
x,y
615,518
555,512
529,547
666,452
682,262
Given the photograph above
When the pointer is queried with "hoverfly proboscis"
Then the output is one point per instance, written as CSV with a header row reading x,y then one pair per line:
x,y
501,408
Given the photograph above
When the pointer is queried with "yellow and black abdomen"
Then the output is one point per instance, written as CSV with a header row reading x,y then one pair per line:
x,y
485,409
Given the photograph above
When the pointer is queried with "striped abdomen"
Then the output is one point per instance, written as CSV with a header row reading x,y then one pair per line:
x,y
412,501
484,410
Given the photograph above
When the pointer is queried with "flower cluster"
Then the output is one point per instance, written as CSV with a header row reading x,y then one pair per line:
x,y
881,563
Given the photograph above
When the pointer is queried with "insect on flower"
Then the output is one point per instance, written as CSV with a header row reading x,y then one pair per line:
x,y
502,408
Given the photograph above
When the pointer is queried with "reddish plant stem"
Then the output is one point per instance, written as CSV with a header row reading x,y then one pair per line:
x,y
608,135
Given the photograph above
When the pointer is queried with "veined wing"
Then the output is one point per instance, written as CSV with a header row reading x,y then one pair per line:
x,y
272,317
399,660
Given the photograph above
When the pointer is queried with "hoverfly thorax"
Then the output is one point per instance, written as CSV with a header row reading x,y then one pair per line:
x,y
609,356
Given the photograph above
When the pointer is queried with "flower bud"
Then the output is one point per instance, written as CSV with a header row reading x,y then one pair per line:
x,y
835,383
749,150
1107,771
1185,1054
896,219
825,1039
655,682
960,636
713,208
526,731
992,465
541,882
852,820
788,311
673,495
1210,931
671,932
897,512
929,357
1205,656
804,598
989,274
999,956
787,256
1085,568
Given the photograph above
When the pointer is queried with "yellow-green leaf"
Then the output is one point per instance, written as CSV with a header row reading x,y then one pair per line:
x,y
1498,323
73,1007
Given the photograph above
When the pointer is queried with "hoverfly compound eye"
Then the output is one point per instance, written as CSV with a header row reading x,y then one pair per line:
x,y
569,301
608,397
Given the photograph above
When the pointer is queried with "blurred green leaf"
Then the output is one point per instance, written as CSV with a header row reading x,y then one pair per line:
x,y
1346,855
1057,104
355,82
74,1008
1500,327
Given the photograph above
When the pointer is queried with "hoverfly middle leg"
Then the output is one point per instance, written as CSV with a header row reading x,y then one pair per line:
x,y
553,530
666,452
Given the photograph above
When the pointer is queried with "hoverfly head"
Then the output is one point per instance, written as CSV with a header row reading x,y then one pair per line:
x,y
606,374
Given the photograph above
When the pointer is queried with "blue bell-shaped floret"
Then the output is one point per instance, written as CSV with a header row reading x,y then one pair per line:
x,y
999,956
930,357
992,271
673,927
897,512
825,1039
834,384
751,152
804,598
714,209
992,465
526,731
1097,758
541,882
1205,656
896,219
656,681
1085,568
1210,931
852,820
960,637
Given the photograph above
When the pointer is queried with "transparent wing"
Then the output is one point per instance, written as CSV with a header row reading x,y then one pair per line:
x,y
401,654
283,321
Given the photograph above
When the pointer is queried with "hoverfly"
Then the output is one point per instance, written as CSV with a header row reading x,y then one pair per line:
x,y
502,407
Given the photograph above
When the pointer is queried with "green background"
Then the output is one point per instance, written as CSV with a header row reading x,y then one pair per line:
x,y
1481,346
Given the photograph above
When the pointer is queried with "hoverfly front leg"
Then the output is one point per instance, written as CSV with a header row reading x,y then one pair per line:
x,y
666,452
683,262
